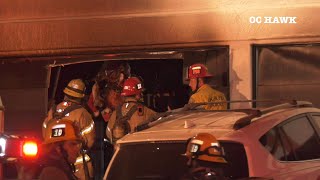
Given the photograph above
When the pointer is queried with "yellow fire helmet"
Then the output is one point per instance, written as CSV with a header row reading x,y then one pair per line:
x,y
75,88
205,147
61,130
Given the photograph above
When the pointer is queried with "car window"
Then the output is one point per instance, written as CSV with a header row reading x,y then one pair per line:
x,y
303,138
289,154
237,160
317,120
149,161
271,141
294,140
164,160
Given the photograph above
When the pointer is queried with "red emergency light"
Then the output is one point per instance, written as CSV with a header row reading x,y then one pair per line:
x,y
30,149
14,148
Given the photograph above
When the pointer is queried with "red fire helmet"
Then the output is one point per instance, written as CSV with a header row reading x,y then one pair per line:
x,y
132,86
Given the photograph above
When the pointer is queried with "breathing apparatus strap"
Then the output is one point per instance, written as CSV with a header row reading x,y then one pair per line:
x,y
65,157
85,165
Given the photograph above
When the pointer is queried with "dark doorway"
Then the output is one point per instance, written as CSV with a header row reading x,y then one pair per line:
x,y
162,80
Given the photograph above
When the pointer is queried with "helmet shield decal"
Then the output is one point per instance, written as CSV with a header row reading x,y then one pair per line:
x,y
196,70
62,130
58,132
194,148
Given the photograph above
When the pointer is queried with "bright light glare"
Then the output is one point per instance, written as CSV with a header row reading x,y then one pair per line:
x,y
30,148
2,146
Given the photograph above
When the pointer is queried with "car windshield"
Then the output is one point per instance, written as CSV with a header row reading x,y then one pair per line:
x,y
164,160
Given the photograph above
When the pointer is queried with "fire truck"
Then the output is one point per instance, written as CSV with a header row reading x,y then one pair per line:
x,y
16,152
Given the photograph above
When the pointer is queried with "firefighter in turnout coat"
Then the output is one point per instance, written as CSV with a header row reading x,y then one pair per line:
x,y
131,113
70,108
202,92
62,144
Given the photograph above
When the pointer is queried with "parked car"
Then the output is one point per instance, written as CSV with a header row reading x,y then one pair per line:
x,y
279,142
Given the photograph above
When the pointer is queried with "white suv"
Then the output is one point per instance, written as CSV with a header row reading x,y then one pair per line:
x,y
280,142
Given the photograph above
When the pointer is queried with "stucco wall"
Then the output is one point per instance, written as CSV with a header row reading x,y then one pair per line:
x,y
46,27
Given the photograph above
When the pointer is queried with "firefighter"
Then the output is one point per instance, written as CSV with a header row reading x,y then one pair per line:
x,y
106,91
205,158
131,113
62,144
104,98
202,92
72,109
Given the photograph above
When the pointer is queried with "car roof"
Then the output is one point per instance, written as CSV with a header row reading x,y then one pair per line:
x,y
185,124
